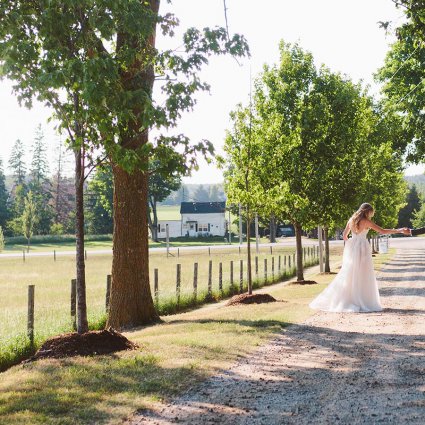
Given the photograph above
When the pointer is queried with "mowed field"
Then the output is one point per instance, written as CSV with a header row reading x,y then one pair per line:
x,y
52,280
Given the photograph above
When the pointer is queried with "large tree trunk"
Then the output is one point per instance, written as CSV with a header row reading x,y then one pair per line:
x,y
131,301
326,235
299,248
82,324
248,238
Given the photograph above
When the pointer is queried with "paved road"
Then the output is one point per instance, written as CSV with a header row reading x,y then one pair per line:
x,y
286,242
335,368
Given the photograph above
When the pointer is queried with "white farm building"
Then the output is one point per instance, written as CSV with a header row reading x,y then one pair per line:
x,y
197,219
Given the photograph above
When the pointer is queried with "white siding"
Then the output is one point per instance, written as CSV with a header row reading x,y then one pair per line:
x,y
215,222
174,228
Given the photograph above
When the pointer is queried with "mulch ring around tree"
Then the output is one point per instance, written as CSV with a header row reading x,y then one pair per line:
x,y
251,299
304,282
88,344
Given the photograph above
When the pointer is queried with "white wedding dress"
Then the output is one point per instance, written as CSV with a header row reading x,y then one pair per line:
x,y
354,288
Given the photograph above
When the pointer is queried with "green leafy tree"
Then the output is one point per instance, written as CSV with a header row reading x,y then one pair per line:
x,y
407,213
40,184
403,78
17,163
99,206
29,218
286,171
337,119
95,63
160,187
242,148
14,225
4,197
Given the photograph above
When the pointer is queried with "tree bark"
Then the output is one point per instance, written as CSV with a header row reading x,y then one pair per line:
x,y
82,323
299,248
131,302
326,235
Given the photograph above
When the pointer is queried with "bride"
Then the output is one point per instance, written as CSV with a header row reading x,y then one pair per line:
x,y
354,288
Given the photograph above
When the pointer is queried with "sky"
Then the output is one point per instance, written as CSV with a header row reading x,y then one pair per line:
x,y
342,34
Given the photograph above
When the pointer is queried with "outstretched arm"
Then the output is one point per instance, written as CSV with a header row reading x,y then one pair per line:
x,y
346,231
379,229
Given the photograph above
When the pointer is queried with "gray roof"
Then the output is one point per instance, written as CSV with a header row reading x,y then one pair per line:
x,y
202,207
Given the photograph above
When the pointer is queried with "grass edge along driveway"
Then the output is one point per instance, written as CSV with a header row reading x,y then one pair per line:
x,y
174,356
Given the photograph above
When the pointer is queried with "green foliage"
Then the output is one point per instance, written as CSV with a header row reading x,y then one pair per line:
x,y
99,202
403,76
29,217
4,207
16,160
407,213
94,64
57,229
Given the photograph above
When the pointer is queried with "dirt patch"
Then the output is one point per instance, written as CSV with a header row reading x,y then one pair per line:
x,y
251,299
90,343
304,282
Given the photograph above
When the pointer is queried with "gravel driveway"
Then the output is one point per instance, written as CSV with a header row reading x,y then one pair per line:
x,y
335,368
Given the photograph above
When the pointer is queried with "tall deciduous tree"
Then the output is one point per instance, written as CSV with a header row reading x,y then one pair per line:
x,y
96,63
29,218
243,149
280,100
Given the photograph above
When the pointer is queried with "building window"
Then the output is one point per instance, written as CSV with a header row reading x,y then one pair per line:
x,y
202,227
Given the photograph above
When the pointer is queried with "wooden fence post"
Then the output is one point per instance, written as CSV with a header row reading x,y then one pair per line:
x,y
210,278
284,261
279,264
220,277
209,251
256,267
178,252
74,303
241,276
108,291
30,324
265,270
271,250
293,259
178,280
23,255
156,285
54,254
289,262
195,280
272,268
85,254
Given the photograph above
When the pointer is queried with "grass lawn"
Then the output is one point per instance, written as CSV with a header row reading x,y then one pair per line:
x,y
52,280
172,357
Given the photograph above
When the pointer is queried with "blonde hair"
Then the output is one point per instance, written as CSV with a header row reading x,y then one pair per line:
x,y
362,213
